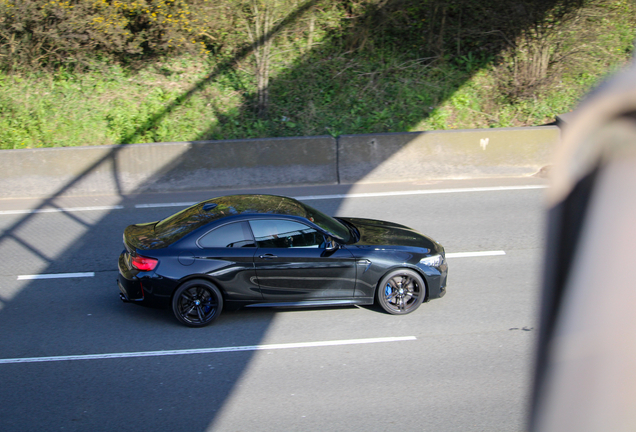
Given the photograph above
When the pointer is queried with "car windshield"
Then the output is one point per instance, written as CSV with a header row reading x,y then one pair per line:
x,y
328,224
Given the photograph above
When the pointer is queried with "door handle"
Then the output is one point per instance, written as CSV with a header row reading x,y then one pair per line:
x,y
267,256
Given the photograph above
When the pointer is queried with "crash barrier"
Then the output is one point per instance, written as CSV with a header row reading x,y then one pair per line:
x,y
445,154
322,160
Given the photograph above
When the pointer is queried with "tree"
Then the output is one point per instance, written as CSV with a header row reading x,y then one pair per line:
x,y
264,21
263,15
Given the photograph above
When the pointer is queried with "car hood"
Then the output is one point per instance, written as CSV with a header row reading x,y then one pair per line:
x,y
391,235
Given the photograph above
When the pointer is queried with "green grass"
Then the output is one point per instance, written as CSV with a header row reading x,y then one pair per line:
x,y
325,91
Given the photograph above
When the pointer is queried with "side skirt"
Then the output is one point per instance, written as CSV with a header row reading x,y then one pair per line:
x,y
314,303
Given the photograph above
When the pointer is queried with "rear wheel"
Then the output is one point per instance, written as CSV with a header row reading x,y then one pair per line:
x,y
401,291
197,303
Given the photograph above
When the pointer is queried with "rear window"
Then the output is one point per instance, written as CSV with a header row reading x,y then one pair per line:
x,y
231,235
180,224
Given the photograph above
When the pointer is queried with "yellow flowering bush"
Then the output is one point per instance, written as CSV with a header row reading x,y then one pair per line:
x,y
54,32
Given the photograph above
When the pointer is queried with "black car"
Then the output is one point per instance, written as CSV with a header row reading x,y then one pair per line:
x,y
266,250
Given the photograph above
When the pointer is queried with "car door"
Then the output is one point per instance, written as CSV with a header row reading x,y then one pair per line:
x,y
227,255
293,264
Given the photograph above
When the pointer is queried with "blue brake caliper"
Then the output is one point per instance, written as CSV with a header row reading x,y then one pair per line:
x,y
208,307
388,291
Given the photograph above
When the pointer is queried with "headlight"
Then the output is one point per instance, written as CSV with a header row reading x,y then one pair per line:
x,y
432,261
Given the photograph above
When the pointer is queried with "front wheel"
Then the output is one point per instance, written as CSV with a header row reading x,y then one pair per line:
x,y
401,291
197,303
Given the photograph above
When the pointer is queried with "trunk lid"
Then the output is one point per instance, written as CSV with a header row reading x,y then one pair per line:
x,y
142,236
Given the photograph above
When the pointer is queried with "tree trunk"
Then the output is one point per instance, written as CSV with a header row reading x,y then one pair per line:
x,y
262,24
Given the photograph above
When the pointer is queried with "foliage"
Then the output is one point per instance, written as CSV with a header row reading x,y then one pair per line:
x,y
335,67
566,42
65,33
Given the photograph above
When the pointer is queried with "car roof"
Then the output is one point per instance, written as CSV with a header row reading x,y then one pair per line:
x,y
233,207
198,215
253,204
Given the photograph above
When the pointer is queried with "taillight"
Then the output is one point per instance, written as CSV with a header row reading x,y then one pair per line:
x,y
143,263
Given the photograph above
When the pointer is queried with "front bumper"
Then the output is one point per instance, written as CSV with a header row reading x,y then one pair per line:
x,y
436,280
442,288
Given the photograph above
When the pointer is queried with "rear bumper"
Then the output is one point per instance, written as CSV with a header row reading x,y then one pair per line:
x,y
131,289
146,288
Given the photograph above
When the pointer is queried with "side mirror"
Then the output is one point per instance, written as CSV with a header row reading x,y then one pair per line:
x,y
332,245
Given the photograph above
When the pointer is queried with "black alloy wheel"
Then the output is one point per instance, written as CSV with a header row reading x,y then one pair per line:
x,y
401,291
197,303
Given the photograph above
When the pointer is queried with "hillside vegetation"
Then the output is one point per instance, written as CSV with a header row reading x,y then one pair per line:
x,y
91,72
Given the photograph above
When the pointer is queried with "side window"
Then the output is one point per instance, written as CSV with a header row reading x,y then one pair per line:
x,y
278,233
232,235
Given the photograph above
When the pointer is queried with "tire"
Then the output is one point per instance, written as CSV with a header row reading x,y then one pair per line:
x,y
197,303
401,291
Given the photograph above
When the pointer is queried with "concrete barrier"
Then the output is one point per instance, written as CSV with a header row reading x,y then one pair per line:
x,y
163,167
182,166
445,154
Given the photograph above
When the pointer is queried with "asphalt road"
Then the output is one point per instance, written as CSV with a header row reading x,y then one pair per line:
x,y
460,363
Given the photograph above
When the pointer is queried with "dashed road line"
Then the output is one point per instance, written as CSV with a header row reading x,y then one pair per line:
x,y
92,274
474,254
61,210
372,194
300,198
418,192
56,276
158,205
208,350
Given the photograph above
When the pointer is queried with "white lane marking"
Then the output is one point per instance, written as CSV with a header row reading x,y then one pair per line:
x,y
373,194
56,276
301,198
61,210
418,192
92,274
208,350
176,204
474,254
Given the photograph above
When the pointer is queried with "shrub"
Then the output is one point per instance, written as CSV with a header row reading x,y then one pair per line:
x,y
50,33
